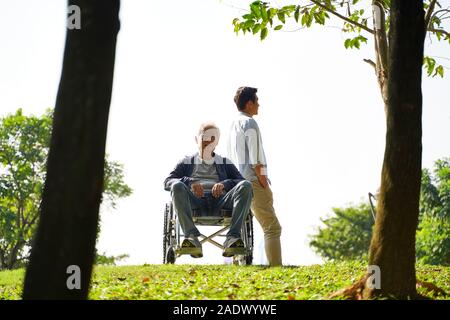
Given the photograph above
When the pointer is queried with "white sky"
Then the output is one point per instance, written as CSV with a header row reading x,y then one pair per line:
x,y
179,63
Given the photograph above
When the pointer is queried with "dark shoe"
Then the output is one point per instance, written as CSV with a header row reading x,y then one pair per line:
x,y
233,246
192,246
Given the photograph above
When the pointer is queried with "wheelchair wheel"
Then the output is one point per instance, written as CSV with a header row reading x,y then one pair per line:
x,y
169,255
250,237
247,235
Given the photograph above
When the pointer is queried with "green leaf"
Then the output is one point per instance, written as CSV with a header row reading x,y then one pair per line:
x,y
256,9
309,20
320,19
347,43
429,64
264,33
289,9
248,25
256,28
281,16
272,12
237,27
305,19
362,39
297,13
355,42
264,14
439,71
279,27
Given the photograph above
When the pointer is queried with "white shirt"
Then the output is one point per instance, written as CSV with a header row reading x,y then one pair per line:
x,y
245,148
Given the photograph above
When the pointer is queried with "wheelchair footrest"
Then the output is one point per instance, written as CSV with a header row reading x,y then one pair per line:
x,y
234,252
193,251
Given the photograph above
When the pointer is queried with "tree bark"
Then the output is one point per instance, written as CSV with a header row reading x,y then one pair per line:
x,y
381,49
393,242
67,230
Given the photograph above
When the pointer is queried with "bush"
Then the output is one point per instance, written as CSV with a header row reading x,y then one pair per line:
x,y
346,234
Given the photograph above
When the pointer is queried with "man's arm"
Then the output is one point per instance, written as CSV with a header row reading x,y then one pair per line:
x,y
233,176
260,171
177,174
254,148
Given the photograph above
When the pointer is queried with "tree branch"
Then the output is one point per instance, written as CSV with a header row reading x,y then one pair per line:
x,y
429,13
32,221
445,12
439,31
342,17
381,47
369,61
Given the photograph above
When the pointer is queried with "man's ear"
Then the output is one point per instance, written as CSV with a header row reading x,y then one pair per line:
x,y
248,105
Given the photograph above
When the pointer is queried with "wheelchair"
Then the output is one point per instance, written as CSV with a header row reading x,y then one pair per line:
x,y
172,235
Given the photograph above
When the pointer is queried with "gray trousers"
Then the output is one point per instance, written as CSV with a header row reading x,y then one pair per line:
x,y
237,199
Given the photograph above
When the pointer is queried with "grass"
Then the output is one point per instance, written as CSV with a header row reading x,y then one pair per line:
x,y
163,282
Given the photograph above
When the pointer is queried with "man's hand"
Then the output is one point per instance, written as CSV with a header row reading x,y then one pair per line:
x,y
262,178
263,181
197,189
217,190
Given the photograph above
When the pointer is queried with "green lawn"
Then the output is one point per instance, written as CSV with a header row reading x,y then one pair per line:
x,y
223,281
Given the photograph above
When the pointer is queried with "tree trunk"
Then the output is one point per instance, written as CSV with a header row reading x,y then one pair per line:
x,y
12,260
381,49
393,242
67,229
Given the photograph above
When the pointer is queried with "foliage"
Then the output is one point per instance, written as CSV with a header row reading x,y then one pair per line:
x,y
354,15
23,152
433,235
114,187
346,235
103,259
196,282
24,145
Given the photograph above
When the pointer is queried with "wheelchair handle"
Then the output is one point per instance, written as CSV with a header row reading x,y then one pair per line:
x,y
372,207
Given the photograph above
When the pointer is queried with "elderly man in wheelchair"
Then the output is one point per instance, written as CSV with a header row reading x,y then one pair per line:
x,y
206,183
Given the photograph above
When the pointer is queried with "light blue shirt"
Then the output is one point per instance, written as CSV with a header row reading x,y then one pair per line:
x,y
245,148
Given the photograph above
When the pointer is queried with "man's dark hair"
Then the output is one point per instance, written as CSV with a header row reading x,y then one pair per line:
x,y
244,95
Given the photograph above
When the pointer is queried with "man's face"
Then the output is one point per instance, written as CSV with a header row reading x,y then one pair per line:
x,y
207,142
253,107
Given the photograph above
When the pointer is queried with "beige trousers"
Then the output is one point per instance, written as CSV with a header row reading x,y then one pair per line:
x,y
262,208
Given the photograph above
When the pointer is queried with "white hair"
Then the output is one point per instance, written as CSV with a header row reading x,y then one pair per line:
x,y
207,126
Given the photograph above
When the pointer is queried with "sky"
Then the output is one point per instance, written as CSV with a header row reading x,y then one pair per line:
x,y
178,64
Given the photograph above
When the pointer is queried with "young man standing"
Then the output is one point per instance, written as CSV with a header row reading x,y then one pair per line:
x,y
245,149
